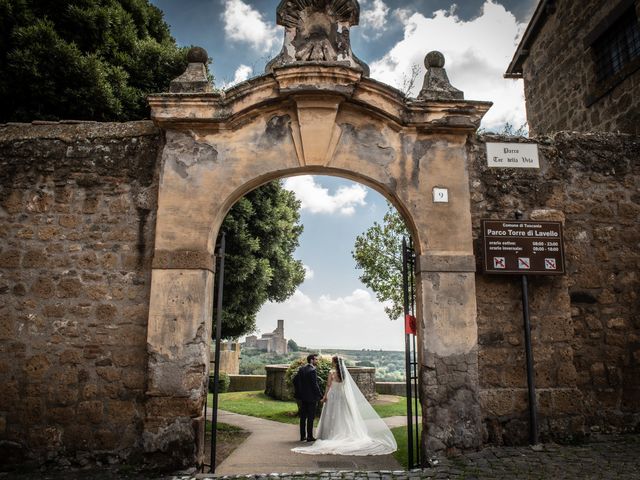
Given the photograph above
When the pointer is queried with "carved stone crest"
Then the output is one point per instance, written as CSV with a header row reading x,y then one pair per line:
x,y
317,31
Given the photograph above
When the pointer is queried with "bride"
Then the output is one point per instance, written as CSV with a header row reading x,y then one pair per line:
x,y
348,424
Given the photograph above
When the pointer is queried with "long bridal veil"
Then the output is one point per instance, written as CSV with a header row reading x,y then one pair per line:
x,y
376,429
349,425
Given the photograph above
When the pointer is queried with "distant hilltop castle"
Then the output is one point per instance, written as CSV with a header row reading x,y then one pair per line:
x,y
269,342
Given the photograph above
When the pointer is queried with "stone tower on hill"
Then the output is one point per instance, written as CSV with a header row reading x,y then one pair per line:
x,y
269,342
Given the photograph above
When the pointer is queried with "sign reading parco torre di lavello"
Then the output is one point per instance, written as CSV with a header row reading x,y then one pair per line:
x,y
523,247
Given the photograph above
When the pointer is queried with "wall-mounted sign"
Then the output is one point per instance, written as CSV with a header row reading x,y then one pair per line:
x,y
513,155
522,247
440,195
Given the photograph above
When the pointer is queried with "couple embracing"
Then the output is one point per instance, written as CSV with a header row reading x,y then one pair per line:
x,y
348,424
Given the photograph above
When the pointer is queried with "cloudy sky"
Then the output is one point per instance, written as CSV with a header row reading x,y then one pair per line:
x,y
478,38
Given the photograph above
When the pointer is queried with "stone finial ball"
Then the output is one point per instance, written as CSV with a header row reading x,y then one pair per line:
x,y
434,59
197,55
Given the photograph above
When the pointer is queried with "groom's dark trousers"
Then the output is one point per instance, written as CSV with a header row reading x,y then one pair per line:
x,y
307,392
307,415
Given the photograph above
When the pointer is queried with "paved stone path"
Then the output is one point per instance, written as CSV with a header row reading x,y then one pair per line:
x,y
268,450
604,458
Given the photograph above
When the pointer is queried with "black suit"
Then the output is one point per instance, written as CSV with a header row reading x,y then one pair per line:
x,y
307,392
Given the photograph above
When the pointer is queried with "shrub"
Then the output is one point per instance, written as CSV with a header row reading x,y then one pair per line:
x,y
223,383
323,368
365,363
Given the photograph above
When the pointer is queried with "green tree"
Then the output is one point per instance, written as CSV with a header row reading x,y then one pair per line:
x,y
365,363
293,346
83,59
98,60
262,232
378,253
323,368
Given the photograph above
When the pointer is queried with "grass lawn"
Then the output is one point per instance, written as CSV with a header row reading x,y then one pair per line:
x,y
400,434
396,407
257,404
229,437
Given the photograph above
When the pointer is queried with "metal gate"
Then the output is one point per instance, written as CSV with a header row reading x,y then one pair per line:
x,y
215,336
411,358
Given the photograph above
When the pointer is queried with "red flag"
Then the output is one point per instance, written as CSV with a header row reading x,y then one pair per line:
x,y
410,324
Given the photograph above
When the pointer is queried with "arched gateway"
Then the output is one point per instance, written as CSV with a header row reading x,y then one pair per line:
x,y
314,111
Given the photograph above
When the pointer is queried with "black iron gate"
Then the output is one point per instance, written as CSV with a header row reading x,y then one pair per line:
x,y
215,336
411,358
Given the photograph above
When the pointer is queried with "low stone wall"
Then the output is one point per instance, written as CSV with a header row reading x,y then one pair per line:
x,y
247,383
391,388
365,378
275,382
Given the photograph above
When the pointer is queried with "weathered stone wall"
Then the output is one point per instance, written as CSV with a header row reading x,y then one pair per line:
x,y
391,388
585,325
275,385
77,219
247,383
229,358
559,76
365,378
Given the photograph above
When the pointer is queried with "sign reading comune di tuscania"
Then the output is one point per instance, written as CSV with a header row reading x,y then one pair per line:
x,y
523,247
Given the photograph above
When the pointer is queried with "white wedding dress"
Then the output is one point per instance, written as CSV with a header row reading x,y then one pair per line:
x,y
349,425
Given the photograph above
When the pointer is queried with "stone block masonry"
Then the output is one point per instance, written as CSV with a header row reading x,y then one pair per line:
x,y
559,75
77,220
78,205
586,324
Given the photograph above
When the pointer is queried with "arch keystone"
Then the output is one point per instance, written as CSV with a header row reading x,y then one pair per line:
x,y
315,133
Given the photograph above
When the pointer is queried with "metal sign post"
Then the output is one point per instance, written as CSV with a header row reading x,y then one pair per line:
x,y
531,381
521,247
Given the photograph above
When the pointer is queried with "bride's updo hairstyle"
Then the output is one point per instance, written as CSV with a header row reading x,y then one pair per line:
x,y
336,360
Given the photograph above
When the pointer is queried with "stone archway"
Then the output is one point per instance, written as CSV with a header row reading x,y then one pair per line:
x,y
315,111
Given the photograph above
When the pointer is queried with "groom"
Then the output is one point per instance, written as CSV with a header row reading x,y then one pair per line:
x,y
307,392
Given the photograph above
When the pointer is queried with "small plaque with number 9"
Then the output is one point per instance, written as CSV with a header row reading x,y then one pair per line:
x,y
440,195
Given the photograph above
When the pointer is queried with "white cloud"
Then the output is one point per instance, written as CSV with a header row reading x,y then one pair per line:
x,y
308,272
242,23
356,321
402,14
373,17
242,73
477,53
317,199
